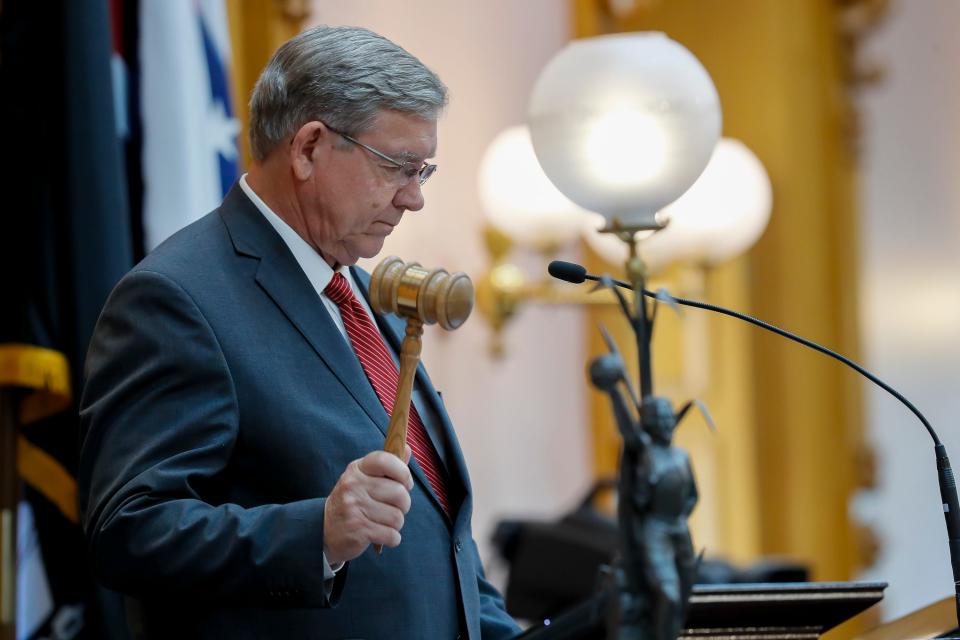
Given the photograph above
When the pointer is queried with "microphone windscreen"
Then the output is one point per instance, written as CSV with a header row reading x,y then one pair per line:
x,y
567,271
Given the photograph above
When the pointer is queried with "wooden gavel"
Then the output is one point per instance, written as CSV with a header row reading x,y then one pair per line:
x,y
422,296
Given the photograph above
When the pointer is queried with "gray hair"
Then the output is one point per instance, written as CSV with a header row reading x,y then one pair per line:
x,y
343,76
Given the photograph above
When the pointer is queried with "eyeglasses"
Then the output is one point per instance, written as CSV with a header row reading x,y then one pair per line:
x,y
407,169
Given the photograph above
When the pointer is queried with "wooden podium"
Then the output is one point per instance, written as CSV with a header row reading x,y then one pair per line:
x,y
938,620
798,611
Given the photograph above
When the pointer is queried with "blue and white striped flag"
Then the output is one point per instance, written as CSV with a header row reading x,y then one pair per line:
x,y
190,156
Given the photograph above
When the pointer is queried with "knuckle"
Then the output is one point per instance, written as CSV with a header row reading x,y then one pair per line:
x,y
349,501
348,480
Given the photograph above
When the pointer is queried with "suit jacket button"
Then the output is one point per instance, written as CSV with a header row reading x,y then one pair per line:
x,y
457,545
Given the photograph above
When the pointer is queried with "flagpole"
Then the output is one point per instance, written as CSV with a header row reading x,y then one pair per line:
x,y
9,497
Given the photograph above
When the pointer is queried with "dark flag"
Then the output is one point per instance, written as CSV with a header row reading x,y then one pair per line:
x,y
65,240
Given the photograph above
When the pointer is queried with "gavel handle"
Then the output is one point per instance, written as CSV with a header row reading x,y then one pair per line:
x,y
409,359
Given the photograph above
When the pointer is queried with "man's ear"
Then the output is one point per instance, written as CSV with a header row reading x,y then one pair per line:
x,y
305,145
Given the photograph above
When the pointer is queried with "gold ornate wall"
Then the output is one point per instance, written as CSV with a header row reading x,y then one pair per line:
x,y
257,28
778,477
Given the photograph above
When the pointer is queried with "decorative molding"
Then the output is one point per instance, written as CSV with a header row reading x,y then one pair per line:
x,y
856,21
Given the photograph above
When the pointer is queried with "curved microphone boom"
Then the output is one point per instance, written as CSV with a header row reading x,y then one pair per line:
x,y
576,273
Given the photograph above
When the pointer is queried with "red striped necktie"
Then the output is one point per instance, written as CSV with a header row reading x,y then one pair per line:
x,y
382,372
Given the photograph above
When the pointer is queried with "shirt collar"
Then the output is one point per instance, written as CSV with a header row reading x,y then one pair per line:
x,y
314,266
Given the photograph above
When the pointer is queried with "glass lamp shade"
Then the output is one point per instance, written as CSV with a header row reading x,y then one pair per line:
x,y
623,124
519,199
720,216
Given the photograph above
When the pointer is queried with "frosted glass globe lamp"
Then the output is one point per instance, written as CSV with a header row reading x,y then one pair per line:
x,y
520,200
623,124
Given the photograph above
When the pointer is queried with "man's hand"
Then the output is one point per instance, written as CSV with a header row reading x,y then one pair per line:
x,y
367,506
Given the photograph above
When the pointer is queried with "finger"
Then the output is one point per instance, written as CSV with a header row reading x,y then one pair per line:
x,y
389,492
407,452
385,536
384,515
381,464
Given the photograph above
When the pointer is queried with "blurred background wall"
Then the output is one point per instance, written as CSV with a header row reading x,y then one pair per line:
x,y
910,284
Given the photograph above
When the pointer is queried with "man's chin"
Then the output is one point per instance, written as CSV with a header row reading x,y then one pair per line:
x,y
369,247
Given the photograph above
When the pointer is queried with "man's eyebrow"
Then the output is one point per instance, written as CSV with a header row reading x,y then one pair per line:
x,y
410,156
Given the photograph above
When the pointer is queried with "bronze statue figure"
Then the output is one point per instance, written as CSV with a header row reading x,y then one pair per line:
x,y
657,494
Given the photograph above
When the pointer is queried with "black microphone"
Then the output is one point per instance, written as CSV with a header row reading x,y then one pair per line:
x,y
576,273
568,271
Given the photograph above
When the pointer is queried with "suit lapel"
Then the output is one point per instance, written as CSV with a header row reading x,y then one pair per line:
x,y
279,275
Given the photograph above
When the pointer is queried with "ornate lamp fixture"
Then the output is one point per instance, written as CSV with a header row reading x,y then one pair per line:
x,y
721,216
624,124
630,145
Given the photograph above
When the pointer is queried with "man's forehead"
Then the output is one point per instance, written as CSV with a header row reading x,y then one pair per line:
x,y
409,137
414,148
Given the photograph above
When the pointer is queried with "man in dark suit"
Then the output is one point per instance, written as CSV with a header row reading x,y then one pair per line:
x,y
232,476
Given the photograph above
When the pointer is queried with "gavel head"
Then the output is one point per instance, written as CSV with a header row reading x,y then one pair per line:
x,y
430,295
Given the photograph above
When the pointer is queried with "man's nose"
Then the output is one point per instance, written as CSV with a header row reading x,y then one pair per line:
x,y
409,196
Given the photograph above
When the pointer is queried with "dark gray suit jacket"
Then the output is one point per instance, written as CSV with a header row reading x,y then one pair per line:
x,y
221,405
